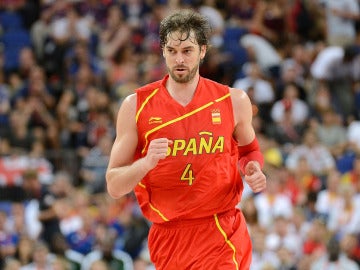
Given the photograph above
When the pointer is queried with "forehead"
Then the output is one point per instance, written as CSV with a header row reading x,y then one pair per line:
x,y
177,39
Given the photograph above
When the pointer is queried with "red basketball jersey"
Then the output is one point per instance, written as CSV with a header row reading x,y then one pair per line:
x,y
199,177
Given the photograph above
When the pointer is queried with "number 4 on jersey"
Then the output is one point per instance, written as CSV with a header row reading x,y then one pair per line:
x,y
188,175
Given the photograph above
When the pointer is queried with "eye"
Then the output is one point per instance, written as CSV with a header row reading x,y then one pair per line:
x,y
171,51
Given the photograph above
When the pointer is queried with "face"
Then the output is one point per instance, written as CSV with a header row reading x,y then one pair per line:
x,y
183,57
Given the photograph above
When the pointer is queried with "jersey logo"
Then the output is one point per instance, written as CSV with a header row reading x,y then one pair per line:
x,y
155,120
216,117
206,144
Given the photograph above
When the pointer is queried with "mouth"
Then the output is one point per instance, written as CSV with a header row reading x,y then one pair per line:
x,y
180,69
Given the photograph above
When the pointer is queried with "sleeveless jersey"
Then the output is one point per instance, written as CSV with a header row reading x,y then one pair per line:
x,y
199,177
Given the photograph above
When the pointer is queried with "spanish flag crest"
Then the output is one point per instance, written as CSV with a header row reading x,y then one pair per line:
x,y
216,117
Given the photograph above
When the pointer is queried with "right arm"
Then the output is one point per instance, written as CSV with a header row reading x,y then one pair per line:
x,y
123,174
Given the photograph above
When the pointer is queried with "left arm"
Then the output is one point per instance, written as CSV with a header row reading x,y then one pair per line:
x,y
250,158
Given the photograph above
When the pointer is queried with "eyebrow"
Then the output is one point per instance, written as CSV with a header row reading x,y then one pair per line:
x,y
185,48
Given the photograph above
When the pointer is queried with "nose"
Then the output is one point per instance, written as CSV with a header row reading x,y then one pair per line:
x,y
179,59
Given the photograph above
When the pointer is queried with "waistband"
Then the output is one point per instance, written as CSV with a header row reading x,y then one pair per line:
x,y
180,223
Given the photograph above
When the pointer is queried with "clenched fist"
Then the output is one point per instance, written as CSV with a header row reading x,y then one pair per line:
x,y
254,176
157,150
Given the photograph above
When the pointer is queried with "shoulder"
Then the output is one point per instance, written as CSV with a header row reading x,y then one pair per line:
x,y
149,87
207,82
241,104
143,91
239,96
129,100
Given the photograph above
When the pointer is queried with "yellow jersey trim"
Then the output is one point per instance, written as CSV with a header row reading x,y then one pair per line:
x,y
222,98
144,103
231,245
179,118
153,207
158,212
141,185
173,121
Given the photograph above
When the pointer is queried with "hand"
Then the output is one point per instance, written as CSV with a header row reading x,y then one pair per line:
x,y
157,150
255,178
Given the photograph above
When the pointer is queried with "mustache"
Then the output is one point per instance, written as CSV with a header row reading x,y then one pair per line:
x,y
180,66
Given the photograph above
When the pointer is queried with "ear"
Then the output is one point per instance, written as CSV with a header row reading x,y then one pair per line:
x,y
202,51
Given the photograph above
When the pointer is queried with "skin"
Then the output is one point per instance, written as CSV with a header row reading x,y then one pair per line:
x,y
182,60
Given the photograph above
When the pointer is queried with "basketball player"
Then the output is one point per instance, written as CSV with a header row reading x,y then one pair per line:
x,y
180,143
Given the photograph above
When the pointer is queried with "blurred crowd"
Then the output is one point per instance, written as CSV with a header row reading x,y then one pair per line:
x,y
65,67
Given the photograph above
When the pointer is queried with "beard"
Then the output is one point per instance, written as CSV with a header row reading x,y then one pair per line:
x,y
183,78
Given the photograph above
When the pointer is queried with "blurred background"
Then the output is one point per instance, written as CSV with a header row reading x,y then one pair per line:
x,y
65,67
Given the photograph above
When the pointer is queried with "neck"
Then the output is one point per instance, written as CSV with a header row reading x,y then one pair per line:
x,y
182,92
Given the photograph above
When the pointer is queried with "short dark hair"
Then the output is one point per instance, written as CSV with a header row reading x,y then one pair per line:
x,y
186,21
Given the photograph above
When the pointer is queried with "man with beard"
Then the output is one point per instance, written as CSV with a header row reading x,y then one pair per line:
x,y
179,145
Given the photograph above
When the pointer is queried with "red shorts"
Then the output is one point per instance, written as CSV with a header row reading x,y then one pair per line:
x,y
220,242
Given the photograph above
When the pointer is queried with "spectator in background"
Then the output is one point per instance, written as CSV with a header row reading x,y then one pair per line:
x,y
66,114
272,203
314,243
99,265
48,210
36,101
281,236
318,156
250,212
74,205
290,115
5,106
262,52
352,177
82,239
15,83
297,108
350,246
357,100
40,31
72,27
38,159
294,69
259,89
270,21
27,62
42,258
16,219
305,20
114,36
334,258
340,18
300,182
353,134
12,167
79,55
262,256
94,165
8,239
24,250
105,250
338,67
329,198
240,13
12,264
331,132
101,119
209,9
321,101
122,74
345,219
84,80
